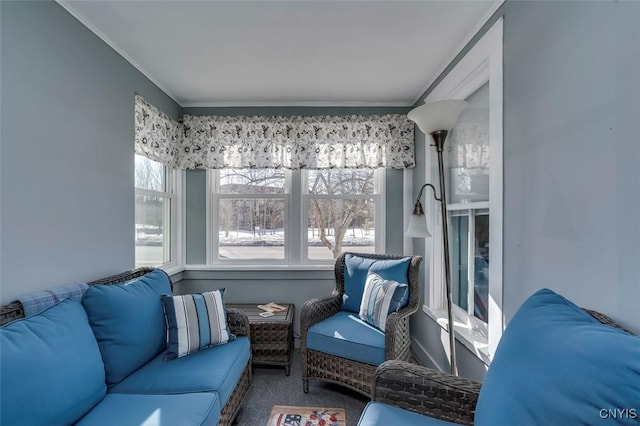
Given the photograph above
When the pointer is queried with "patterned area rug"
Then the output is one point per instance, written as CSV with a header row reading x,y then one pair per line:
x,y
283,415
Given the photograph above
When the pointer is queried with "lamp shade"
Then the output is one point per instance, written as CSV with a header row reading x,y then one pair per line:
x,y
417,227
441,115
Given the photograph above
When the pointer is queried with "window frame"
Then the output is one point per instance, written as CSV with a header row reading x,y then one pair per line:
x,y
296,215
173,188
378,212
482,63
214,194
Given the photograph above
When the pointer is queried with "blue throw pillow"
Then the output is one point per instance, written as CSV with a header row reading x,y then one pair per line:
x,y
381,297
355,275
557,365
196,322
128,321
52,372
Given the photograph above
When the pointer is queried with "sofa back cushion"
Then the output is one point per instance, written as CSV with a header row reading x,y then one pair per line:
x,y
557,365
355,276
52,372
128,321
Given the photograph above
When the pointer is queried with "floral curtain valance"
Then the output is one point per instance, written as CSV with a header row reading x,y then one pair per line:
x,y
156,134
316,142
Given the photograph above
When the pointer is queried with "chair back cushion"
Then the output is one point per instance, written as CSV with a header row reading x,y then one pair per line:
x,y
128,321
52,372
355,276
557,365
196,322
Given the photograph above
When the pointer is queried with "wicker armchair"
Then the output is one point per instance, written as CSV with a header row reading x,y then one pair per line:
x,y
432,393
236,319
347,372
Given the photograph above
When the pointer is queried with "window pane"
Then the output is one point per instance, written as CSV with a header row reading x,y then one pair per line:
x,y
252,181
481,267
342,181
459,258
338,225
251,229
152,230
149,174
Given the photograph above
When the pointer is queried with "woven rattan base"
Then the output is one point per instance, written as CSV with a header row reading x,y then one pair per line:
x,y
232,407
330,368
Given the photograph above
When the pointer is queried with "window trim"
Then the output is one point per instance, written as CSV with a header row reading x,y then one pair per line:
x,y
482,63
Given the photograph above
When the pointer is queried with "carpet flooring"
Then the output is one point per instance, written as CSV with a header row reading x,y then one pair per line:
x,y
272,387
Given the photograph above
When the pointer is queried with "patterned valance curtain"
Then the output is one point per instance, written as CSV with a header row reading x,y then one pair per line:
x,y
317,142
156,134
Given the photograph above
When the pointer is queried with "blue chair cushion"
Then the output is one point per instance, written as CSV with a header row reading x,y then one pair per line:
x,y
557,365
52,372
156,410
346,335
376,413
355,276
128,321
216,369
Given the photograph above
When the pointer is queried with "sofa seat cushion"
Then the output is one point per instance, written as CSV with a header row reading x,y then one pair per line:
x,y
557,365
128,321
355,275
216,369
52,372
155,410
346,335
376,413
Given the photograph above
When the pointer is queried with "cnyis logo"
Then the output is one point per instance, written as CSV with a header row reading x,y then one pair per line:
x,y
618,413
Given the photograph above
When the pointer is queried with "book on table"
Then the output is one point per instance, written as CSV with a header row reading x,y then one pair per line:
x,y
272,307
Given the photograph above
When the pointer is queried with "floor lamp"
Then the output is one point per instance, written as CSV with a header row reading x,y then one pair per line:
x,y
437,119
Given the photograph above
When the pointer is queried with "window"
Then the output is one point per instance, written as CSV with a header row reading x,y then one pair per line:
x,y
154,213
257,216
251,208
468,165
340,207
473,152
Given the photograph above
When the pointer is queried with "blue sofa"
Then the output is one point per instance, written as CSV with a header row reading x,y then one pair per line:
x,y
101,362
556,364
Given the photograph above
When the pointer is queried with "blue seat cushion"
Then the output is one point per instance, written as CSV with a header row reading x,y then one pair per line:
x,y
346,335
557,365
128,321
355,276
156,410
216,369
52,372
376,413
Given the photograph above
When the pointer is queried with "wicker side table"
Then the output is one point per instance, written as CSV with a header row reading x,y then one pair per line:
x,y
272,337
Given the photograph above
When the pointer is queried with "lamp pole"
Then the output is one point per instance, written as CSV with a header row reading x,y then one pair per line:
x,y
439,137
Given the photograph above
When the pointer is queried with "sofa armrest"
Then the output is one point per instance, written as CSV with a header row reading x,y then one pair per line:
x,y
238,322
426,391
315,310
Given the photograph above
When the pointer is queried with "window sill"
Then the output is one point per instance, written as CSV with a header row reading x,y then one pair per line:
x,y
259,267
472,334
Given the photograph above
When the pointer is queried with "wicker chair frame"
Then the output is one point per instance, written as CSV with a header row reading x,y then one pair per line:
x,y
236,319
349,373
435,394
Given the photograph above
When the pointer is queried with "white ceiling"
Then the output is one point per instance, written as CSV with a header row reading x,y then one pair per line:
x,y
214,53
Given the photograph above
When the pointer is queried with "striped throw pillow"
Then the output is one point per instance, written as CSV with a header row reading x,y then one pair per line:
x,y
195,322
380,298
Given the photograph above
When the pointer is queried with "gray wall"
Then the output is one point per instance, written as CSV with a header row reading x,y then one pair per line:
x,y
268,285
66,167
571,155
